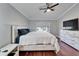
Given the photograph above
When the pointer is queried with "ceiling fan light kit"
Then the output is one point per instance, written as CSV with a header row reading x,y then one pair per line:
x,y
49,8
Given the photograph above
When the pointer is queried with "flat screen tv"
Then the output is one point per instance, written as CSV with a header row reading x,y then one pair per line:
x,y
71,24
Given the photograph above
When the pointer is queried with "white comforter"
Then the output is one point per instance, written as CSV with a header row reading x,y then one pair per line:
x,y
39,38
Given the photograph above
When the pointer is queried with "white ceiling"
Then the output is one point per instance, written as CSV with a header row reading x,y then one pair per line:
x,y
32,12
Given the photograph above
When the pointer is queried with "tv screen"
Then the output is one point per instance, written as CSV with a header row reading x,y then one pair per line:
x,y
71,24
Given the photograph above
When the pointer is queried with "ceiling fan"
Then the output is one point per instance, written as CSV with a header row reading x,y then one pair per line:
x,y
49,7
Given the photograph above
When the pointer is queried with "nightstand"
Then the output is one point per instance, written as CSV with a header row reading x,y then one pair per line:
x,y
10,50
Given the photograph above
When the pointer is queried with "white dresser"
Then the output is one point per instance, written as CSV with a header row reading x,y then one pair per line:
x,y
70,37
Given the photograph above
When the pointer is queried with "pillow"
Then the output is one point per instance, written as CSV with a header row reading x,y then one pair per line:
x,y
23,31
17,40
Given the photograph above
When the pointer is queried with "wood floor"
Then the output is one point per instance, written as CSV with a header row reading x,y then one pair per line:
x,y
37,53
65,50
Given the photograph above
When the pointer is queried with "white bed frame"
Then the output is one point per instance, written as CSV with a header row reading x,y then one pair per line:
x,y
31,47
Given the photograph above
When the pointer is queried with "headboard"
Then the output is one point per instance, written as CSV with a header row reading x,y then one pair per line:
x,y
14,30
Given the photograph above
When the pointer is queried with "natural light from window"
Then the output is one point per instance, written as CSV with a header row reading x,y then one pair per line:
x,y
44,29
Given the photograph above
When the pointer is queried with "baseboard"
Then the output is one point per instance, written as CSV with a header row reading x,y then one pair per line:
x,y
69,45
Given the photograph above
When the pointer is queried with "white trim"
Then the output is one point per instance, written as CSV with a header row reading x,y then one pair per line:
x,y
67,11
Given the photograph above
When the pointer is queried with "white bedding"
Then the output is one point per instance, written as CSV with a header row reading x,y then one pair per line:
x,y
34,38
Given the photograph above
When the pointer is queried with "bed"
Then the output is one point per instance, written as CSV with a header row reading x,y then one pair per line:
x,y
38,41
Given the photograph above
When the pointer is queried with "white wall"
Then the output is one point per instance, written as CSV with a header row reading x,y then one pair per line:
x,y
73,13
9,16
53,25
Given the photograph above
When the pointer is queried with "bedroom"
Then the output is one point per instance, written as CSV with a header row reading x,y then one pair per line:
x,y
37,23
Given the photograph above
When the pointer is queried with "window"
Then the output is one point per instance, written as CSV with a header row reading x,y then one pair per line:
x,y
45,29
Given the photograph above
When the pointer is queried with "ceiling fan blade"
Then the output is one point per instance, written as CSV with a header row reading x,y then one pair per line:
x,y
45,11
47,4
42,8
54,5
52,9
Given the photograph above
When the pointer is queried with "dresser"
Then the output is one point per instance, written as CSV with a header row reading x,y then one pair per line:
x,y
70,37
